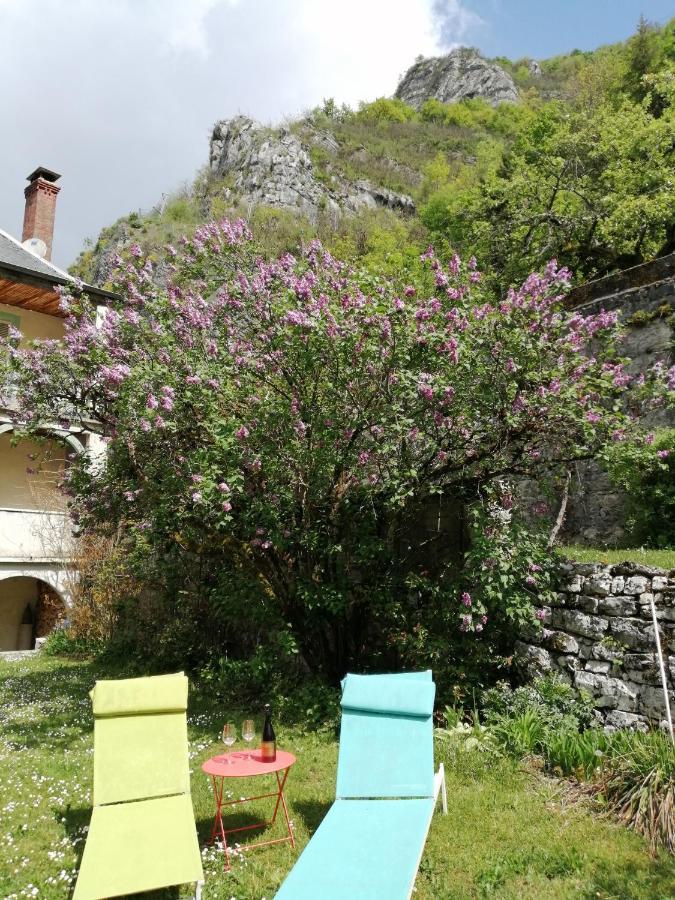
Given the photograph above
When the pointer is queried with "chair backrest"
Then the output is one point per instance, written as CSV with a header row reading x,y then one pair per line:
x,y
140,738
386,736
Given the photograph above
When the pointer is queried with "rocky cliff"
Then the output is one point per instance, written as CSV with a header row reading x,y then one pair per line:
x,y
461,75
274,167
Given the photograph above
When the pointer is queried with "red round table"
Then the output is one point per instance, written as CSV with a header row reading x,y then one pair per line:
x,y
248,764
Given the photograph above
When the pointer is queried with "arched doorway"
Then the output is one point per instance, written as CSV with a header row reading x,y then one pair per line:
x,y
29,609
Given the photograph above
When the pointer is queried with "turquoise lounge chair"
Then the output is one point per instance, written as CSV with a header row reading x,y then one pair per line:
x,y
369,845
142,834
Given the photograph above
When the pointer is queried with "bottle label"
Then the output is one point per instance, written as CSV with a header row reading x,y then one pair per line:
x,y
268,751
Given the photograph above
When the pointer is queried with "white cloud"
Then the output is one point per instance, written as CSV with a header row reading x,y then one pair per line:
x,y
454,22
120,95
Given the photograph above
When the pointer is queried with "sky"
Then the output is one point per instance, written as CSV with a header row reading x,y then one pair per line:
x,y
120,96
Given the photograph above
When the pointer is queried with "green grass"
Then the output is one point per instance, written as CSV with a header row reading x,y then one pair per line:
x,y
509,834
664,559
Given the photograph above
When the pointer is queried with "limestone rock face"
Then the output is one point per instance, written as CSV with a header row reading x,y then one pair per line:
x,y
274,167
268,167
461,75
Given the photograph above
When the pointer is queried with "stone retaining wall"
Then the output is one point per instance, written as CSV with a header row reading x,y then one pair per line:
x,y
599,636
644,296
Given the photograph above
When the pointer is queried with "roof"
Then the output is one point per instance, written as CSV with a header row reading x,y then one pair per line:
x,y
19,265
12,253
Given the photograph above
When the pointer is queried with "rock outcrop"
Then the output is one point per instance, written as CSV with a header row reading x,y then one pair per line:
x,y
461,75
273,167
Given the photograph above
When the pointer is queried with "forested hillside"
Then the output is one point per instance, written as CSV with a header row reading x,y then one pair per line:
x,y
581,168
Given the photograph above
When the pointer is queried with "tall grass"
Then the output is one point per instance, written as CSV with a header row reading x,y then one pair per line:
x,y
638,784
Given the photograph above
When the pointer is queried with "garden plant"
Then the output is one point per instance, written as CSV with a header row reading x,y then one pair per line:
x,y
275,430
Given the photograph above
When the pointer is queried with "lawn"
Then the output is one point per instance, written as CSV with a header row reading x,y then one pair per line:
x,y
509,833
663,559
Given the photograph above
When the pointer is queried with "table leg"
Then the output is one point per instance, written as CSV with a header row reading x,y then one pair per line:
x,y
281,798
219,828
218,820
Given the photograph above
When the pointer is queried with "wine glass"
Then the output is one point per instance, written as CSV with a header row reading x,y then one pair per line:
x,y
229,734
248,730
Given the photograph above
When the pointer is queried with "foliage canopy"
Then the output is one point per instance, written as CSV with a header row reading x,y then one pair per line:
x,y
276,430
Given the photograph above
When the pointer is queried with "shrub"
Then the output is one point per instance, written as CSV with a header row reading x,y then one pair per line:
x,y
461,737
632,772
638,784
278,431
62,642
512,568
465,114
557,705
99,589
647,473
385,109
265,678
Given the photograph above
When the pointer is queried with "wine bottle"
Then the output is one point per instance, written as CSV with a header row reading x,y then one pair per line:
x,y
268,746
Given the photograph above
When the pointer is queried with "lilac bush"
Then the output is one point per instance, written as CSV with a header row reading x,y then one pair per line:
x,y
274,429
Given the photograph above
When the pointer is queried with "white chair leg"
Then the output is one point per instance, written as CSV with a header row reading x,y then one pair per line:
x,y
439,788
198,890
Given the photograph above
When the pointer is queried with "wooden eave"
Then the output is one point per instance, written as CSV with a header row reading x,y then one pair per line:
x,y
27,290
30,296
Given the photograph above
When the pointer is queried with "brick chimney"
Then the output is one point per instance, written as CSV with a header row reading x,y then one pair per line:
x,y
38,219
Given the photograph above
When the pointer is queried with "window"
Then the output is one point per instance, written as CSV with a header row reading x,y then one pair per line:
x,y
7,321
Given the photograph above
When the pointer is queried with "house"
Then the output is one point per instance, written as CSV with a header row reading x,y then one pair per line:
x,y
35,536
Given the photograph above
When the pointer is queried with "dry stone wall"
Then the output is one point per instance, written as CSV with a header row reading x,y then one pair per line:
x,y
599,636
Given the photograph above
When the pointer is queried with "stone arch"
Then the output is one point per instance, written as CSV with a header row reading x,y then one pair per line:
x,y
30,608
68,438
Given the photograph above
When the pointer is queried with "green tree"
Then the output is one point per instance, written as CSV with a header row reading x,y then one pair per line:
x,y
594,188
276,430
642,55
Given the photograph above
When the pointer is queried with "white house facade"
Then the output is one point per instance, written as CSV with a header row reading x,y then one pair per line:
x,y
36,539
